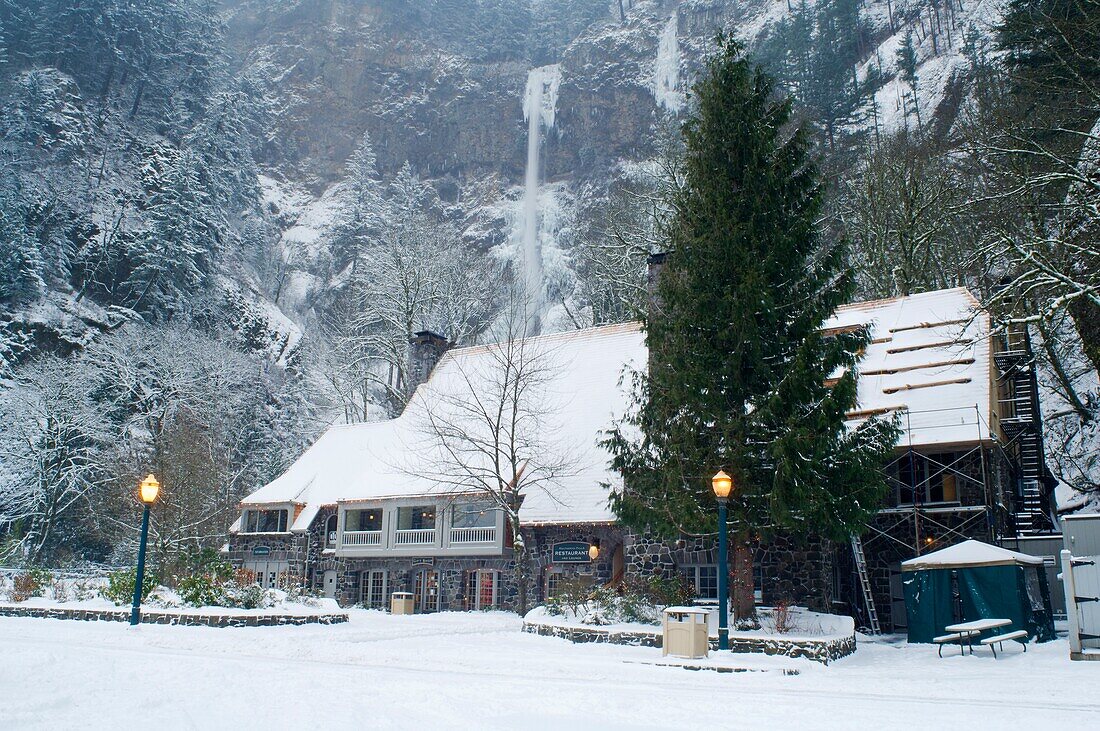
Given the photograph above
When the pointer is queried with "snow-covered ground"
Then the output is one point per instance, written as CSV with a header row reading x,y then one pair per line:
x,y
468,671
172,604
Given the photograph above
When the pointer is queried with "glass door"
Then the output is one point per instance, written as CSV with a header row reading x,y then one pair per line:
x,y
426,590
372,591
486,589
480,589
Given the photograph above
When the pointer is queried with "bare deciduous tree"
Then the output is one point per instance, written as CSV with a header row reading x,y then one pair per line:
x,y
191,408
52,453
902,207
488,429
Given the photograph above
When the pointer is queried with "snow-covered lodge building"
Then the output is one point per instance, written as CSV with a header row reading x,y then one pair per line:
x,y
364,513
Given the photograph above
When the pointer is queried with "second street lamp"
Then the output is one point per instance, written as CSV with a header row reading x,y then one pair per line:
x,y
722,484
148,491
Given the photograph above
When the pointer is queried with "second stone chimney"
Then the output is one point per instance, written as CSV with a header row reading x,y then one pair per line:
x,y
425,350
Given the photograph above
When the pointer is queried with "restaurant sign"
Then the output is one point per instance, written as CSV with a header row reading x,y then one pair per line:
x,y
570,552
261,550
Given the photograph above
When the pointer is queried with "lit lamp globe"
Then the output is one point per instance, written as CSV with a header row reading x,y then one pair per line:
x,y
722,485
594,551
149,489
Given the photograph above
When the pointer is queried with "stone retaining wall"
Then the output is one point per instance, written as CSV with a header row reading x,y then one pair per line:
x,y
595,634
188,620
823,651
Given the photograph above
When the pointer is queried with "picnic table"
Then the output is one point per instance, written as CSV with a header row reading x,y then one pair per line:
x,y
965,632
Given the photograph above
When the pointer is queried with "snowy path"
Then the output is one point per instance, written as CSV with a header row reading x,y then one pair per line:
x,y
478,671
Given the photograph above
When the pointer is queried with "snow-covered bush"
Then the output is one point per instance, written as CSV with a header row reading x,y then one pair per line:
x,y
664,591
217,584
249,596
164,598
84,589
784,618
202,590
59,589
120,586
30,583
295,594
597,605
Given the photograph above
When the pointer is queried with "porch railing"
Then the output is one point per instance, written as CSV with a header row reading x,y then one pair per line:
x,y
414,537
363,538
474,535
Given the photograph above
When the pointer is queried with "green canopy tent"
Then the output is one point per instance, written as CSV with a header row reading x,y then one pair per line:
x,y
974,580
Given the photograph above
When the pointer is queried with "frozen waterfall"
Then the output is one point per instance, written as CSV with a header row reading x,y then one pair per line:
x,y
666,77
539,104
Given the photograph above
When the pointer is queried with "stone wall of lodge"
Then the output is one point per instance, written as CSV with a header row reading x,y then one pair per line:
x,y
310,553
810,572
796,571
270,547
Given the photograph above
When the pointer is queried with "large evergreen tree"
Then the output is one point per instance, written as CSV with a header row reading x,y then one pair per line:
x,y
741,374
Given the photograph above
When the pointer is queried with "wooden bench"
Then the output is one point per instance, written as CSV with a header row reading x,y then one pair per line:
x,y
959,637
1019,635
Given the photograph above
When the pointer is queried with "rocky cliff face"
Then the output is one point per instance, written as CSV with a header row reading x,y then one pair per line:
x,y
340,68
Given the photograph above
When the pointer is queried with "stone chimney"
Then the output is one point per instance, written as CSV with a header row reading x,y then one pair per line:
x,y
655,264
425,350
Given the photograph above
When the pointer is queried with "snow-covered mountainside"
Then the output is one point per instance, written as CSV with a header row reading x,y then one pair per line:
x,y
434,87
443,89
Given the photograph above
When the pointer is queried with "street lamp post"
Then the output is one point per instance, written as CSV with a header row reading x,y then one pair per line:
x,y
722,485
148,490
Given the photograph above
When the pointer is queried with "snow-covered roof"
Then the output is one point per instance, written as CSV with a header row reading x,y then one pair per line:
x,y
929,360
969,554
390,459
930,354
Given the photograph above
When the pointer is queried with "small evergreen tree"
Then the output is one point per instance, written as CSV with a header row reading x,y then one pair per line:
x,y
834,91
174,256
362,199
741,376
907,69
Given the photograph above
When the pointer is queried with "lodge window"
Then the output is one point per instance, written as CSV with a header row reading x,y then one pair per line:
x,y
373,587
703,581
481,588
553,584
269,574
416,517
330,531
363,520
926,479
473,515
265,521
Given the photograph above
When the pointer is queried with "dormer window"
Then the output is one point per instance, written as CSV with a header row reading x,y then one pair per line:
x,y
265,521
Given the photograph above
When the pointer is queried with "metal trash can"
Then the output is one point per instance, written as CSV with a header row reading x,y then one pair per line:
x,y
685,632
401,602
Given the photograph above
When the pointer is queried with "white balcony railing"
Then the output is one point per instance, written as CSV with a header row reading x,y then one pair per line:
x,y
414,537
363,538
474,535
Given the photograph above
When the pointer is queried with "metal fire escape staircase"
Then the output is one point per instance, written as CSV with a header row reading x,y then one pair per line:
x,y
1022,424
865,584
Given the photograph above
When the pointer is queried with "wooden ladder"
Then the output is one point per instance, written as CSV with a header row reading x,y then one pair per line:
x,y
865,584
